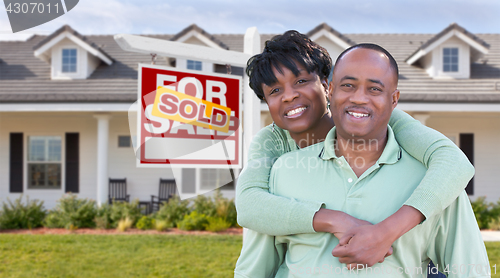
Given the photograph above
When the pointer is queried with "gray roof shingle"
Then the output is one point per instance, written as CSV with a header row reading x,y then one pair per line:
x,y
448,29
201,31
24,78
331,30
67,28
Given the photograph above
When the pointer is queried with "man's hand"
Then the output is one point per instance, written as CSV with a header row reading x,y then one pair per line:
x,y
345,227
365,245
359,241
348,224
368,244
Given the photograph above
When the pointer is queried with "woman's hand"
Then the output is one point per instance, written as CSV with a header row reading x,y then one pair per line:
x,y
363,245
360,242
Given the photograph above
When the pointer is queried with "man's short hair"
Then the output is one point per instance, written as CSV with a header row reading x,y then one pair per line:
x,y
376,47
285,50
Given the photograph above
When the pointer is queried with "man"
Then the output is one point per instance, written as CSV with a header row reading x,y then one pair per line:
x,y
359,169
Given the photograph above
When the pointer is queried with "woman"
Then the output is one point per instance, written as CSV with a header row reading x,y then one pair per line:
x,y
293,63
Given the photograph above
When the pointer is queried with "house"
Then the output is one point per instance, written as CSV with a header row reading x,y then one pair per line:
x,y
64,102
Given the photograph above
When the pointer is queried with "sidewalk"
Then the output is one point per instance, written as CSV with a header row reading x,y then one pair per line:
x,y
491,235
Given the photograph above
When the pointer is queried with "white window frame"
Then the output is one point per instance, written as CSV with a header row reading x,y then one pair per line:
x,y
181,63
200,190
196,63
451,63
462,55
81,62
62,60
26,162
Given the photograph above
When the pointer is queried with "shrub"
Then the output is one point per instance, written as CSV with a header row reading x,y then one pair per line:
x,y
217,224
145,223
123,210
162,225
103,217
232,216
124,224
72,213
486,213
193,221
204,205
173,211
17,215
225,209
53,220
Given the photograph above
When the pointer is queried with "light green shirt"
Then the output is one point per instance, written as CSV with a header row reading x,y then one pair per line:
x,y
451,238
448,173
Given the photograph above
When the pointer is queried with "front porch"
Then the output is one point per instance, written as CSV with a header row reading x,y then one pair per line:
x,y
103,150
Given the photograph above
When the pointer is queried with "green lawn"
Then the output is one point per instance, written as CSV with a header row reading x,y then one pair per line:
x,y
493,249
130,255
118,255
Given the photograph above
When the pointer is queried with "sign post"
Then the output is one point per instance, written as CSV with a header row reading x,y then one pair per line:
x,y
251,104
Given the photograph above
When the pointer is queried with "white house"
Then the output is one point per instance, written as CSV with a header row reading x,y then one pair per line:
x,y
64,101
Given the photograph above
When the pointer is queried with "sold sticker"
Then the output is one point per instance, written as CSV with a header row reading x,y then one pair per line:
x,y
173,105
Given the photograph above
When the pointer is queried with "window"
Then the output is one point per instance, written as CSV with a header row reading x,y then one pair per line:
x,y
193,65
450,59
69,60
123,141
44,162
214,178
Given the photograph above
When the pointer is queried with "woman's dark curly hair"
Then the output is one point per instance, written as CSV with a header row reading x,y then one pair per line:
x,y
285,50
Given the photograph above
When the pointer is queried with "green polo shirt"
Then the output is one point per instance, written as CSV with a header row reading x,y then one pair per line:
x,y
451,238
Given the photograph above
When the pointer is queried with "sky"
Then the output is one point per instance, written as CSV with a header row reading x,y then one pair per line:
x,y
270,17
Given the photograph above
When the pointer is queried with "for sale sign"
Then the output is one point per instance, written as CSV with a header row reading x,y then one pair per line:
x,y
188,118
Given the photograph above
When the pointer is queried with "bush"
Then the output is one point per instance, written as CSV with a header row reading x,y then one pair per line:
x,y
124,224
193,221
123,210
72,213
217,224
486,213
53,220
16,215
225,209
173,211
103,217
162,225
145,223
205,205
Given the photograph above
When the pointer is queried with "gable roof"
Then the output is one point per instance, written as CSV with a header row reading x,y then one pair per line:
x,y
341,39
194,27
67,32
24,78
451,30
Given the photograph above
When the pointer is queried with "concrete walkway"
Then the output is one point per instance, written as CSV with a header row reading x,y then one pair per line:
x,y
491,235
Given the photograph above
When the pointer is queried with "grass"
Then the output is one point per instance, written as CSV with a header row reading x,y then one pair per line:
x,y
493,249
131,255
118,255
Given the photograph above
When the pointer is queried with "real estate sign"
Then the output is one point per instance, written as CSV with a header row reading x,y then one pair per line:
x,y
188,118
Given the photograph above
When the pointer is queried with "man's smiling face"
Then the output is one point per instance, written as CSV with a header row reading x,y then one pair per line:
x,y
363,94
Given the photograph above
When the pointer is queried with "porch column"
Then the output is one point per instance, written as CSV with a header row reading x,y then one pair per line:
x,y
422,118
102,157
251,117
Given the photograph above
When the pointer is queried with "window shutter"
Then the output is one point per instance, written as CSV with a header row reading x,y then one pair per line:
x,y
188,180
16,163
467,146
72,163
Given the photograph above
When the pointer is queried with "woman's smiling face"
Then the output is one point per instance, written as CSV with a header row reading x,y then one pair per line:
x,y
296,103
